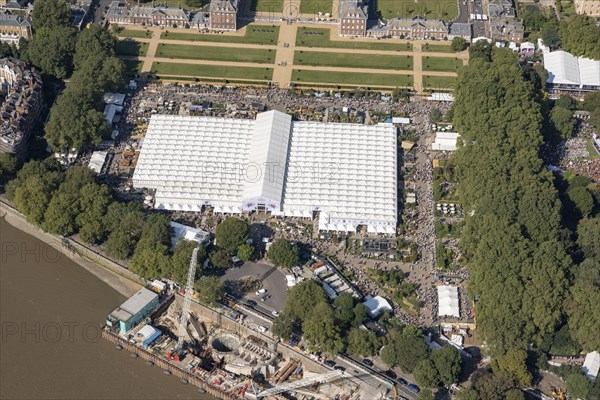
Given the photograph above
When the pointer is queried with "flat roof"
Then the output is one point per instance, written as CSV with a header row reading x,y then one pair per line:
x,y
291,168
134,304
566,69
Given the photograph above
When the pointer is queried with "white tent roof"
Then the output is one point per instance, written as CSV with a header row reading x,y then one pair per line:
x,y
591,365
565,69
97,161
448,303
441,97
445,141
376,305
345,170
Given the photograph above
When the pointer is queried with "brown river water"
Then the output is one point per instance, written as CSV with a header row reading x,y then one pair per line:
x,y
51,310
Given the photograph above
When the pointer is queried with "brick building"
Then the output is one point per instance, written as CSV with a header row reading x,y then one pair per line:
x,y
22,104
417,28
223,15
353,17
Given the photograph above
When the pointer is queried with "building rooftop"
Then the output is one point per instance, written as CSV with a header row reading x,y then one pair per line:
x,y
293,168
565,69
134,304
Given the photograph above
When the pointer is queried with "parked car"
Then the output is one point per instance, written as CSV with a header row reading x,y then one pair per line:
x,y
329,363
265,297
261,328
391,374
250,303
413,388
275,313
402,381
367,362
261,291
339,368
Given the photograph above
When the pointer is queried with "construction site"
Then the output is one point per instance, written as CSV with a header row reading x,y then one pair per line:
x,y
171,330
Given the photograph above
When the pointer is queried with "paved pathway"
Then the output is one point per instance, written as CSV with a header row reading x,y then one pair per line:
x,y
152,46
285,54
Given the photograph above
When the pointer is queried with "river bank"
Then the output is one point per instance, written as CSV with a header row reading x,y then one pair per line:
x,y
114,275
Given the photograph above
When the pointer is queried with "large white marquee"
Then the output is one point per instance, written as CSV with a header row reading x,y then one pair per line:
x,y
347,172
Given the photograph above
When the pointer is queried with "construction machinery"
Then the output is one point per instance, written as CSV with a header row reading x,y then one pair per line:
x,y
559,394
177,353
291,386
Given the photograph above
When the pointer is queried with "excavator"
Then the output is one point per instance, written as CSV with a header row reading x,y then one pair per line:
x,y
559,394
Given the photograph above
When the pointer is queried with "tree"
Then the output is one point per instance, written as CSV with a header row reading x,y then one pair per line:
x,y
426,374
577,385
493,386
480,49
119,244
566,102
8,163
209,289
232,233
588,237
467,394
583,200
563,121
283,325
94,44
513,364
591,101
584,316
344,307
362,343
360,314
550,36
93,202
52,49
220,259
180,261
425,394
320,331
303,298
245,252
447,361
579,35
283,254
515,394
51,14
406,352
32,189
149,258
459,44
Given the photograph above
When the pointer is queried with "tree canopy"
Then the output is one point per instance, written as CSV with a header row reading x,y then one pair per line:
x,y
283,254
580,36
232,233
51,14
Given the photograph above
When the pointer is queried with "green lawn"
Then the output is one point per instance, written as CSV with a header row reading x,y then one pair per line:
x,y
191,5
341,78
438,82
134,33
441,64
316,6
267,6
212,71
129,47
319,37
266,56
255,34
431,9
437,48
376,61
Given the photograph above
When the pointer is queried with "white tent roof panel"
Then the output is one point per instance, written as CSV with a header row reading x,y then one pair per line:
x,y
448,303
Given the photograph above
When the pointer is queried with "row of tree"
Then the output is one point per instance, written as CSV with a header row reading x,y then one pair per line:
x,y
517,263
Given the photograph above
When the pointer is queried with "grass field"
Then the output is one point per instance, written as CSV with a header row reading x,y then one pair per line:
x,y
255,34
437,48
441,64
431,9
438,82
131,48
212,71
267,6
316,6
266,56
133,33
375,61
319,37
351,78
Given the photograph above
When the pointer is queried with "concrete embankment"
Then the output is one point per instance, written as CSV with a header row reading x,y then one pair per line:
x,y
113,274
